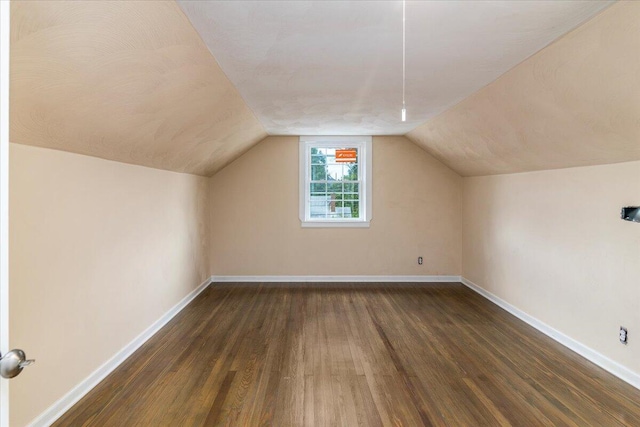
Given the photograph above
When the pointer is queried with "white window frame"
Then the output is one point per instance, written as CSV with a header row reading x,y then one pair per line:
x,y
365,165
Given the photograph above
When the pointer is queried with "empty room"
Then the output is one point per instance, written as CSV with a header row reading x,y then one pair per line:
x,y
319,213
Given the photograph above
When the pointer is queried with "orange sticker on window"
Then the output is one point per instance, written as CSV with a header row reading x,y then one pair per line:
x,y
346,156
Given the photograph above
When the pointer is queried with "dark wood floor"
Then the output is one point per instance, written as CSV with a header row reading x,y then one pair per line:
x,y
370,354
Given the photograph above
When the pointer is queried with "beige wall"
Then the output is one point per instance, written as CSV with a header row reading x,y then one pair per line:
x,y
99,250
255,229
553,245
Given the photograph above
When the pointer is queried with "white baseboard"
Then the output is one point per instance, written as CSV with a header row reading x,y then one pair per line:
x,y
55,411
588,353
373,279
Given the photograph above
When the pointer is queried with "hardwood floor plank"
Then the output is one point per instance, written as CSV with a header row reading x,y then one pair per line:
x,y
368,414
498,417
216,409
353,355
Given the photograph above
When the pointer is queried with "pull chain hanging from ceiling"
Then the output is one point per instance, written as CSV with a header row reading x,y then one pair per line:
x,y
404,109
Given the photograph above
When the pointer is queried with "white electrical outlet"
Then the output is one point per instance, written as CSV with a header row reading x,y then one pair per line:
x,y
623,335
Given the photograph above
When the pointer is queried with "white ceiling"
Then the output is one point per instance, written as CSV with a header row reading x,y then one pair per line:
x,y
335,67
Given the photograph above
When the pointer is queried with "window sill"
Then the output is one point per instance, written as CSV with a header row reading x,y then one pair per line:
x,y
334,224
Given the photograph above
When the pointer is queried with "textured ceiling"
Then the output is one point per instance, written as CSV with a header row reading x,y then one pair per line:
x,y
134,82
126,81
575,103
335,67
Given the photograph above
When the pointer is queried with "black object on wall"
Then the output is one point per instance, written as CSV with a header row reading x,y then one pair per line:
x,y
631,213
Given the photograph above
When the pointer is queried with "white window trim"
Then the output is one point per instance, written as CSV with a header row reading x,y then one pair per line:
x,y
364,169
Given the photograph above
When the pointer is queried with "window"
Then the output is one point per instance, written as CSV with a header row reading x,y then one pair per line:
x,y
335,181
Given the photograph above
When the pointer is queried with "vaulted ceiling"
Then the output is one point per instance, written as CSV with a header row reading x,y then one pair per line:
x,y
575,103
123,80
190,86
335,67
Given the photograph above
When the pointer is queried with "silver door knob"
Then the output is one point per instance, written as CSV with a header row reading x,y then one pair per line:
x,y
12,363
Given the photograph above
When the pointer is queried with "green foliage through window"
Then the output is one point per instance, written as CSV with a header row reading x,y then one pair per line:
x,y
334,185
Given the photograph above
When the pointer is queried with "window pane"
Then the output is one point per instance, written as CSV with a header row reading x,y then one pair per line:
x,y
334,188
318,188
351,173
342,168
352,209
318,160
351,188
336,171
318,209
318,173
